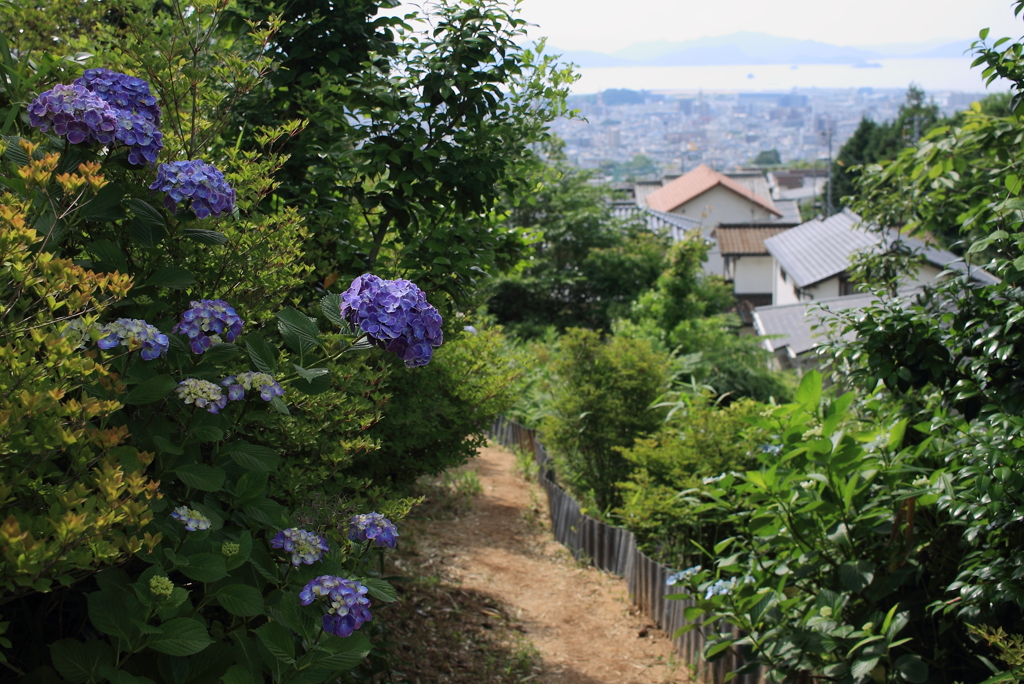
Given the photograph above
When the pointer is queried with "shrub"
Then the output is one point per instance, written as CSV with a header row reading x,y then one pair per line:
x,y
602,400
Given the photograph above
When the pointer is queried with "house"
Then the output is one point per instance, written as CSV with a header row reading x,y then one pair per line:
x,y
811,261
711,198
747,263
810,272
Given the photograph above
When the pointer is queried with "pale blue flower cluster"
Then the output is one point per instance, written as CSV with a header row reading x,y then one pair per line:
x,y
305,547
202,393
373,527
725,587
249,380
193,519
395,315
713,480
682,576
134,334
772,449
207,322
105,107
348,606
197,181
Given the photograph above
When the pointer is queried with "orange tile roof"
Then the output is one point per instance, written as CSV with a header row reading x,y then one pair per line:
x,y
697,182
736,241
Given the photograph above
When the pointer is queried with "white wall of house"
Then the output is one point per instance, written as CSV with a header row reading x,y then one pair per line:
x,y
783,288
822,290
752,274
721,205
715,265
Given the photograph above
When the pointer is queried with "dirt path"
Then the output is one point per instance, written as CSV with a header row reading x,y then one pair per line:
x,y
578,618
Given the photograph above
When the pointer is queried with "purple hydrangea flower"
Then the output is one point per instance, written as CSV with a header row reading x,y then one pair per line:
x,y
134,334
197,181
122,91
238,384
202,393
305,547
373,527
209,321
348,606
193,519
75,112
103,107
395,315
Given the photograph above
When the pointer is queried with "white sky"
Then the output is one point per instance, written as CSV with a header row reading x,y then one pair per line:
x,y
609,25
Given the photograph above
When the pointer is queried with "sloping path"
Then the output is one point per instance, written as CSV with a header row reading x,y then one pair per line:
x,y
578,618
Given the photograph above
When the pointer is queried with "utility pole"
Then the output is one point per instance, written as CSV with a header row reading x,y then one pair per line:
x,y
828,170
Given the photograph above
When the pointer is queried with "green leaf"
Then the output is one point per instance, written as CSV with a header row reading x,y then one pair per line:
x,y
250,485
692,613
172,277
200,476
109,612
181,637
148,226
856,576
122,677
261,354
105,206
280,406
109,254
205,567
278,641
205,237
252,456
220,353
207,433
299,331
310,373
684,629
380,590
809,392
151,390
717,649
241,600
81,663
236,674
263,510
345,653
330,306
863,668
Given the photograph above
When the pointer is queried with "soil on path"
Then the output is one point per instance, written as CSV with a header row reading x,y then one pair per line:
x,y
578,618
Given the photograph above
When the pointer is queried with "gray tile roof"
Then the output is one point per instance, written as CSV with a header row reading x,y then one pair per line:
x,y
675,225
798,326
817,250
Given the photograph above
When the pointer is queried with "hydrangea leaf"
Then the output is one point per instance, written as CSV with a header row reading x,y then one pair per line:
x,y
172,277
241,600
181,637
205,237
261,354
300,332
200,476
81,662
151,390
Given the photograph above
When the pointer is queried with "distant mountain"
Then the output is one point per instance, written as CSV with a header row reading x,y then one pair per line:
x,y
754,48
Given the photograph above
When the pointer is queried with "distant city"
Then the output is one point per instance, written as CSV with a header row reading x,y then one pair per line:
x,y
641,134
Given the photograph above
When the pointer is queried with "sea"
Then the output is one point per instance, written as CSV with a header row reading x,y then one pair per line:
x,y
933,75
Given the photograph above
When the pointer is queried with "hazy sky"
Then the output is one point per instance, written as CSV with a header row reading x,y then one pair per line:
x,y
608,25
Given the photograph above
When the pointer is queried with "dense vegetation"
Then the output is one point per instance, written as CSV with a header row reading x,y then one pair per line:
x,y
200,436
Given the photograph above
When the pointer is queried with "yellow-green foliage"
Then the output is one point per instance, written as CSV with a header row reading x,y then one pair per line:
x,y
702,441
74,497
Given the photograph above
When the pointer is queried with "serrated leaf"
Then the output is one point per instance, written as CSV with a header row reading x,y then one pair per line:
x,y
181,637
241,600
205,567
252,456
310,373
330,306
172,277
205,237
380,590
79,662
109,254
280,406
236,674
151,390
263,510
299,331
109,612
345,653
261,353
201,476
148,226
278,641
105,205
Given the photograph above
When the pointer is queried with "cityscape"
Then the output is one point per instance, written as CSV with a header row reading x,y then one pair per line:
x,y
678,131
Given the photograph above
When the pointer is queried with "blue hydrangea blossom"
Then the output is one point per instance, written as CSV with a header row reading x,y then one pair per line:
x,y
250,380
103,107
202,393
198,182
682,576
348,606
193,519
394,315
305,547
373,527
209,321
134,334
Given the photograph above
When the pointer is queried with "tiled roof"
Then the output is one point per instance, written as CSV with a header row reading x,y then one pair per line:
x,y
801,326
697,182
675,225
736,241
817,250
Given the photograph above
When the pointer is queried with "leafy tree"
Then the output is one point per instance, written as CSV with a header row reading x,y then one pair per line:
x,y
586,267
768,158
872,142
